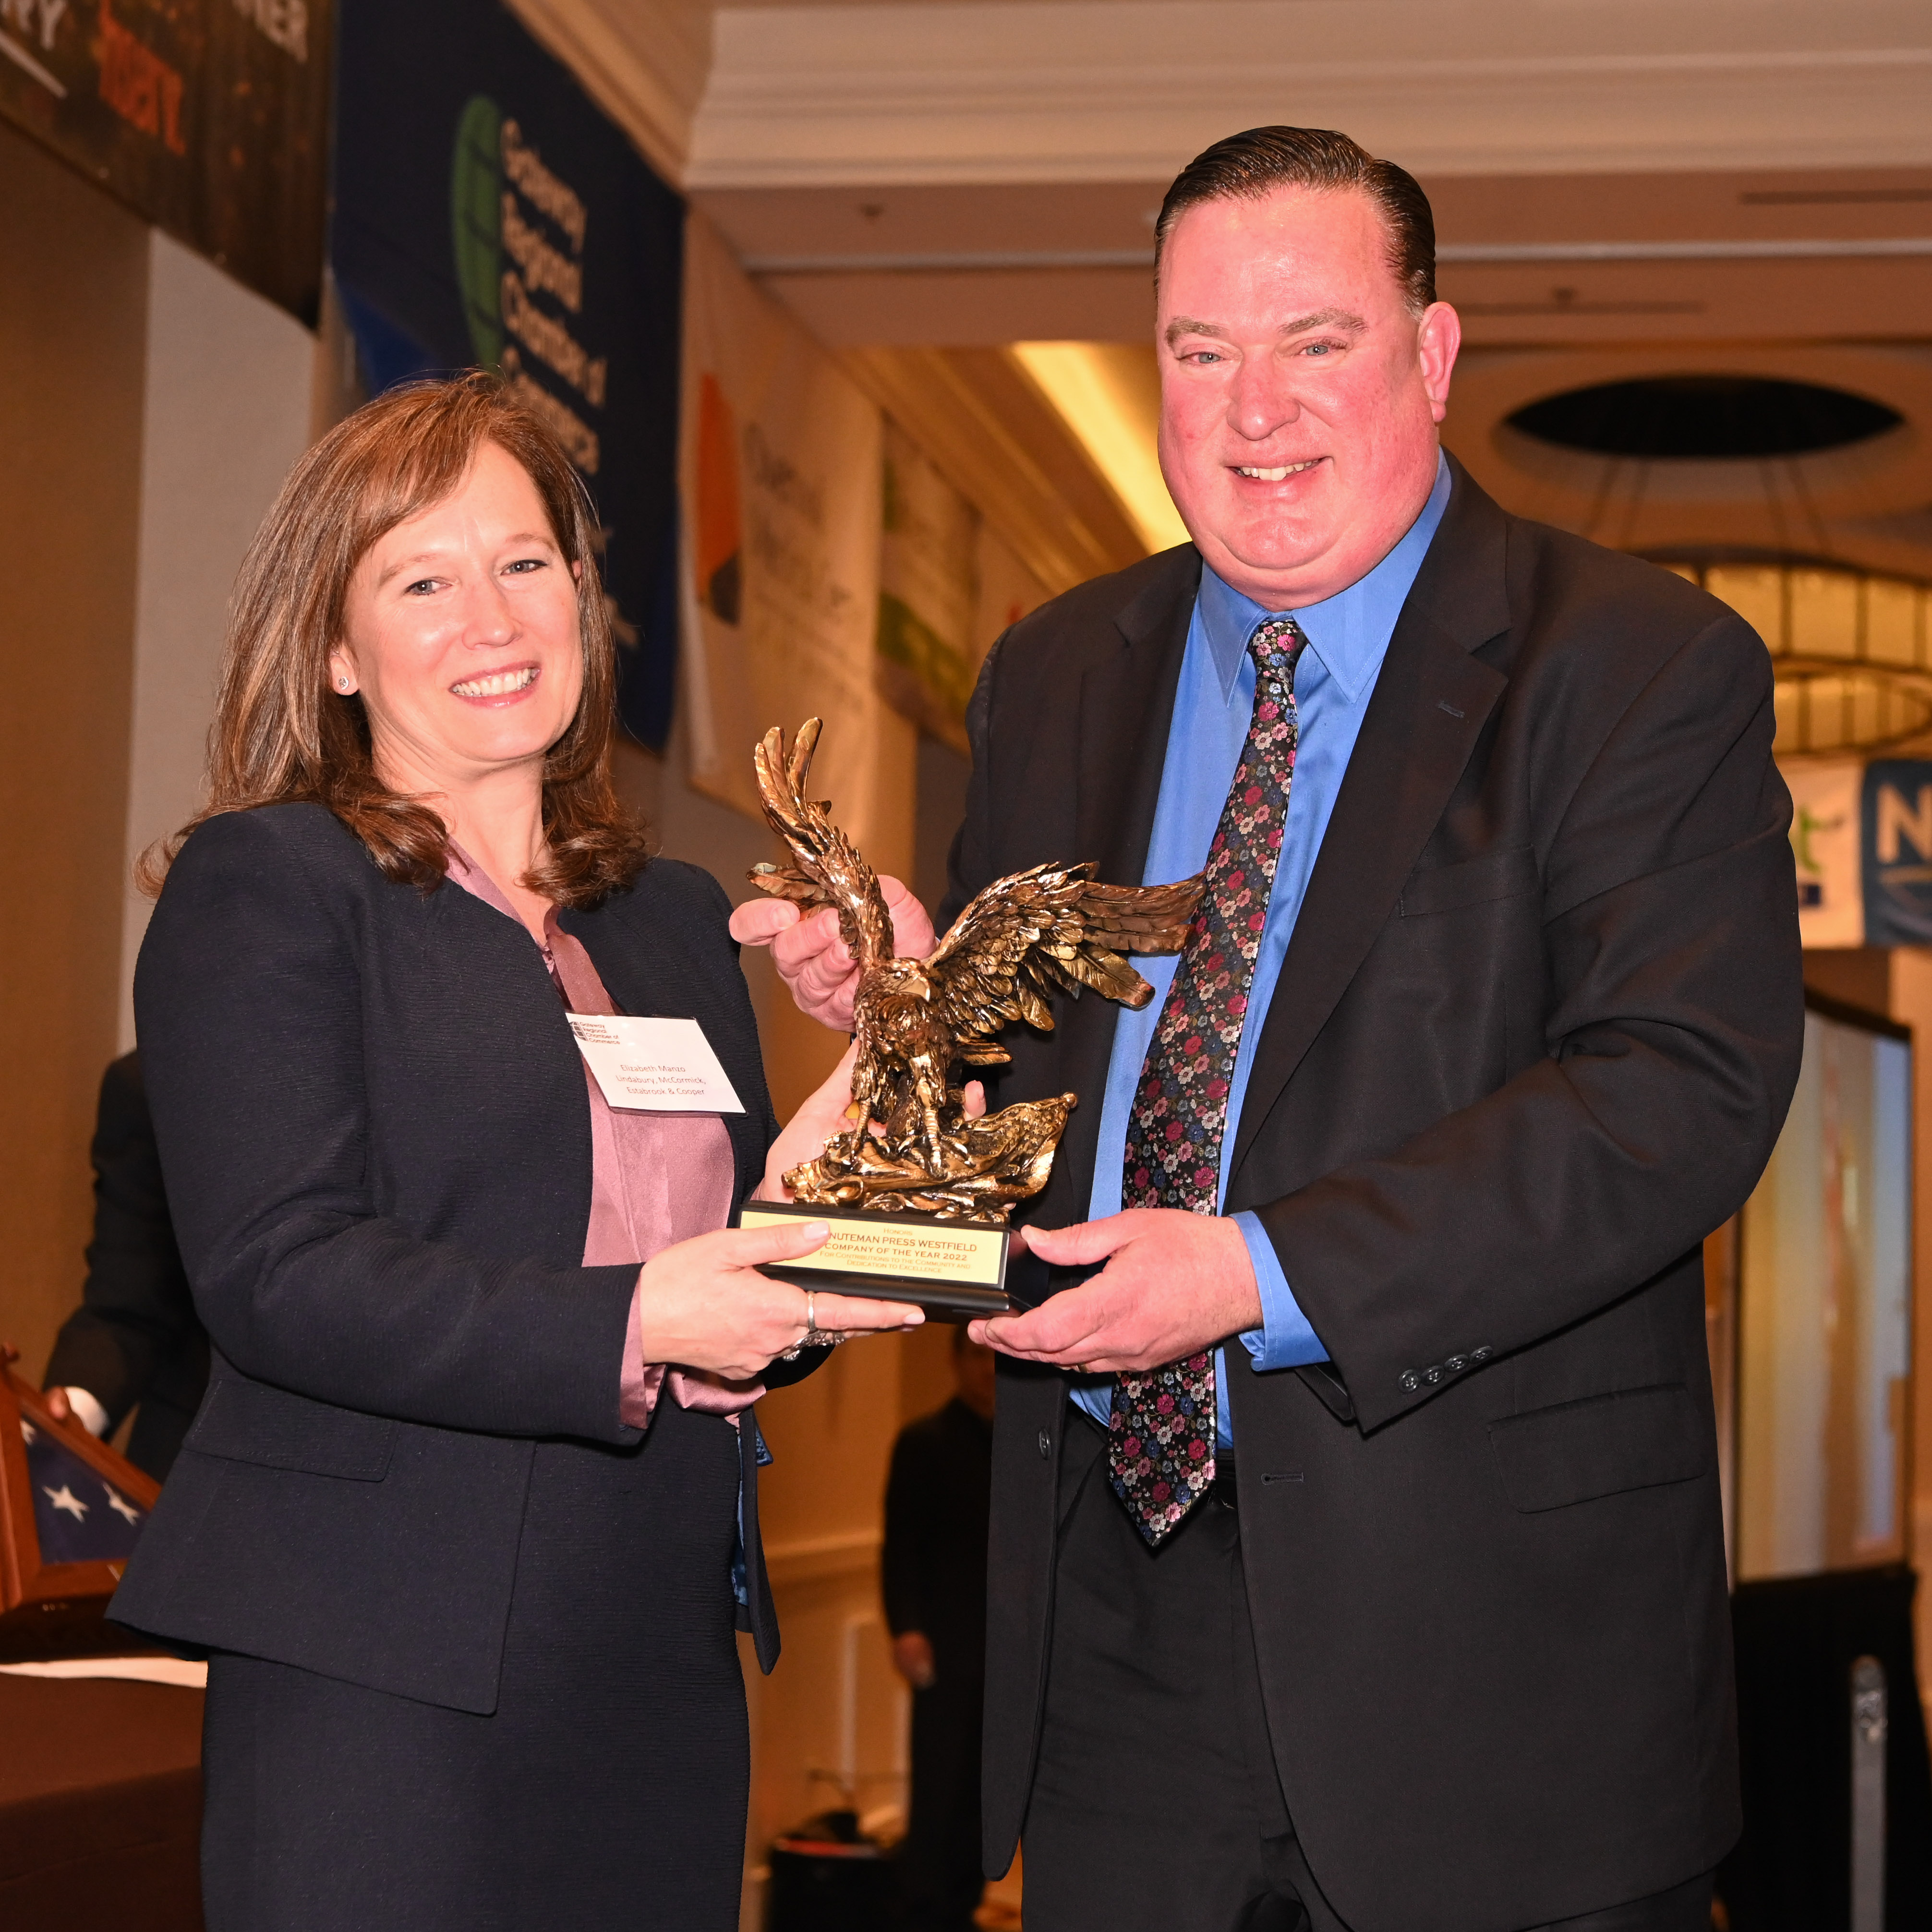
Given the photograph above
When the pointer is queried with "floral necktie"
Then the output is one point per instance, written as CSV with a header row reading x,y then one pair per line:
x,y
1161,1451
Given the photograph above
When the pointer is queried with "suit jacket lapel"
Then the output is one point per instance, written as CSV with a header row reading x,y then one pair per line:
x,y
1126,705
1428,708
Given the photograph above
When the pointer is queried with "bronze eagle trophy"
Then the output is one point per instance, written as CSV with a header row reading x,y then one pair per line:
x,y
920,1023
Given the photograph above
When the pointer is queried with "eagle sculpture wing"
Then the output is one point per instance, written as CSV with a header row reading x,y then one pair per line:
x,y
1053,929
830,871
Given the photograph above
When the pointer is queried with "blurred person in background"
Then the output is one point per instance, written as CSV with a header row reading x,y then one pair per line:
x,y
470,1512
135,1342
933,1569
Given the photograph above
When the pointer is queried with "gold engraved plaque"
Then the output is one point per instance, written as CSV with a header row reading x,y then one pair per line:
x,y
954,1268
917,1191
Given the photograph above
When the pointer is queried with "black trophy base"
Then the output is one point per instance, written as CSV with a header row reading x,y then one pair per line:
x,y
956,1271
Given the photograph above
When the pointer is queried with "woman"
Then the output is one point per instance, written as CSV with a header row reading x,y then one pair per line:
x,y
468,1516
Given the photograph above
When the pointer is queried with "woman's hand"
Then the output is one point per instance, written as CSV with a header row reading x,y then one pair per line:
x,y
704,1305
804,1136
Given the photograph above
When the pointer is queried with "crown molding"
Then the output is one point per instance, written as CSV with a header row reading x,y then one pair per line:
x,y
644,62
1124,90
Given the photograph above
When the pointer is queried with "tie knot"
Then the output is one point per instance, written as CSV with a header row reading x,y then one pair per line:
x,y
1277,643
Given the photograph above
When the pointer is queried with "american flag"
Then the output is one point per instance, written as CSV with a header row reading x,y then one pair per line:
x,y
79,1517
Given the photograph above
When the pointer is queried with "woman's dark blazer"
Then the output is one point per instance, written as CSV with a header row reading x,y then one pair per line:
x,y
373,1122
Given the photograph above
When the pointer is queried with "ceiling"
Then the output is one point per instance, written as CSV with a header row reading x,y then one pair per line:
x,y
1720,254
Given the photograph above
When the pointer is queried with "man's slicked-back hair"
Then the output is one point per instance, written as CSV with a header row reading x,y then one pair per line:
x,y
1252,165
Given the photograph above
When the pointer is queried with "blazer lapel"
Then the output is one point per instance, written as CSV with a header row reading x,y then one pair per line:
x,y
1126,705
1429,706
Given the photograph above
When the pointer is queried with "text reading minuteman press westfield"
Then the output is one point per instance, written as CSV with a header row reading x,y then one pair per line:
x,y
968,1256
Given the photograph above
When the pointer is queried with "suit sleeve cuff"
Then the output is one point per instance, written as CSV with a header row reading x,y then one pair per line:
x,y
1285,1339
639,1380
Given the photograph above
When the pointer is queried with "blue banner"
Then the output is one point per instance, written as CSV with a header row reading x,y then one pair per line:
x,y
1895,849
487,213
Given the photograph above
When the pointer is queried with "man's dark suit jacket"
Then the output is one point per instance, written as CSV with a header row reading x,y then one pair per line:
x,y
135,1339
1534,1037
373,1121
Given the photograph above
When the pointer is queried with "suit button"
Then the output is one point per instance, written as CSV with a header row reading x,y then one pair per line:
x,y
1045,1445
1456,1364
1481,1354
1433,1375
1411,1380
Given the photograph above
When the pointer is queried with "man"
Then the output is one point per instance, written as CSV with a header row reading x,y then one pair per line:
x,y
933,1569
1393,1595
135,1342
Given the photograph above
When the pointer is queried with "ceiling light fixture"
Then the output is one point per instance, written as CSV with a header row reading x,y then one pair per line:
x,y
1851,649
1706,417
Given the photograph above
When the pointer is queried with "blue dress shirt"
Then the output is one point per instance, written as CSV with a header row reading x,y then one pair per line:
x,y
1348,637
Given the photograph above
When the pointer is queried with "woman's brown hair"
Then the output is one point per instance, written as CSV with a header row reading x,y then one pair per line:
x,y
281,735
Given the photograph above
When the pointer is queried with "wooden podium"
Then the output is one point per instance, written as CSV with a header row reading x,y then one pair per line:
x,y
71,1510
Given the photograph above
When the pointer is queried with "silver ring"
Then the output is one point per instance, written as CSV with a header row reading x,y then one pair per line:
x,y
814,1337
811,1338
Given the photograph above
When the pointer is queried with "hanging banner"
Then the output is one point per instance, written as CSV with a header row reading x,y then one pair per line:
x,y
781,479
1896,848
1825,845
208,117
928,592
486,213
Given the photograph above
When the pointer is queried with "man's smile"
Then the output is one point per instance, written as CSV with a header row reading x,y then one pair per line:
x,y
1279,473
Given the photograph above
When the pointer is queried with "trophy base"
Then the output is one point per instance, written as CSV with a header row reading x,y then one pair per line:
x,y
956,1271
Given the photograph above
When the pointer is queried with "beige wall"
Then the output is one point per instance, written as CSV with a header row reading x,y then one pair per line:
x,y
226,412
72,302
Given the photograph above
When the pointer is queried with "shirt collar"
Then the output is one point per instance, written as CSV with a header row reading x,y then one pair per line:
x,y
1350,631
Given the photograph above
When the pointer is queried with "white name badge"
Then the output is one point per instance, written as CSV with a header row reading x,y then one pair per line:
x,y
654,1066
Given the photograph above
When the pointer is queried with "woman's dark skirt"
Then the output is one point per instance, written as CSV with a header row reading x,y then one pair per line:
x,y
607,1790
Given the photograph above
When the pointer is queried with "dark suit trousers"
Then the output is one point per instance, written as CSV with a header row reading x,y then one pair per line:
x,y
1155,1801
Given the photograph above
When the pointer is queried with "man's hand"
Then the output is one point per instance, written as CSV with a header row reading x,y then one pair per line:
x,y
912,1658
1174,1283
812,960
